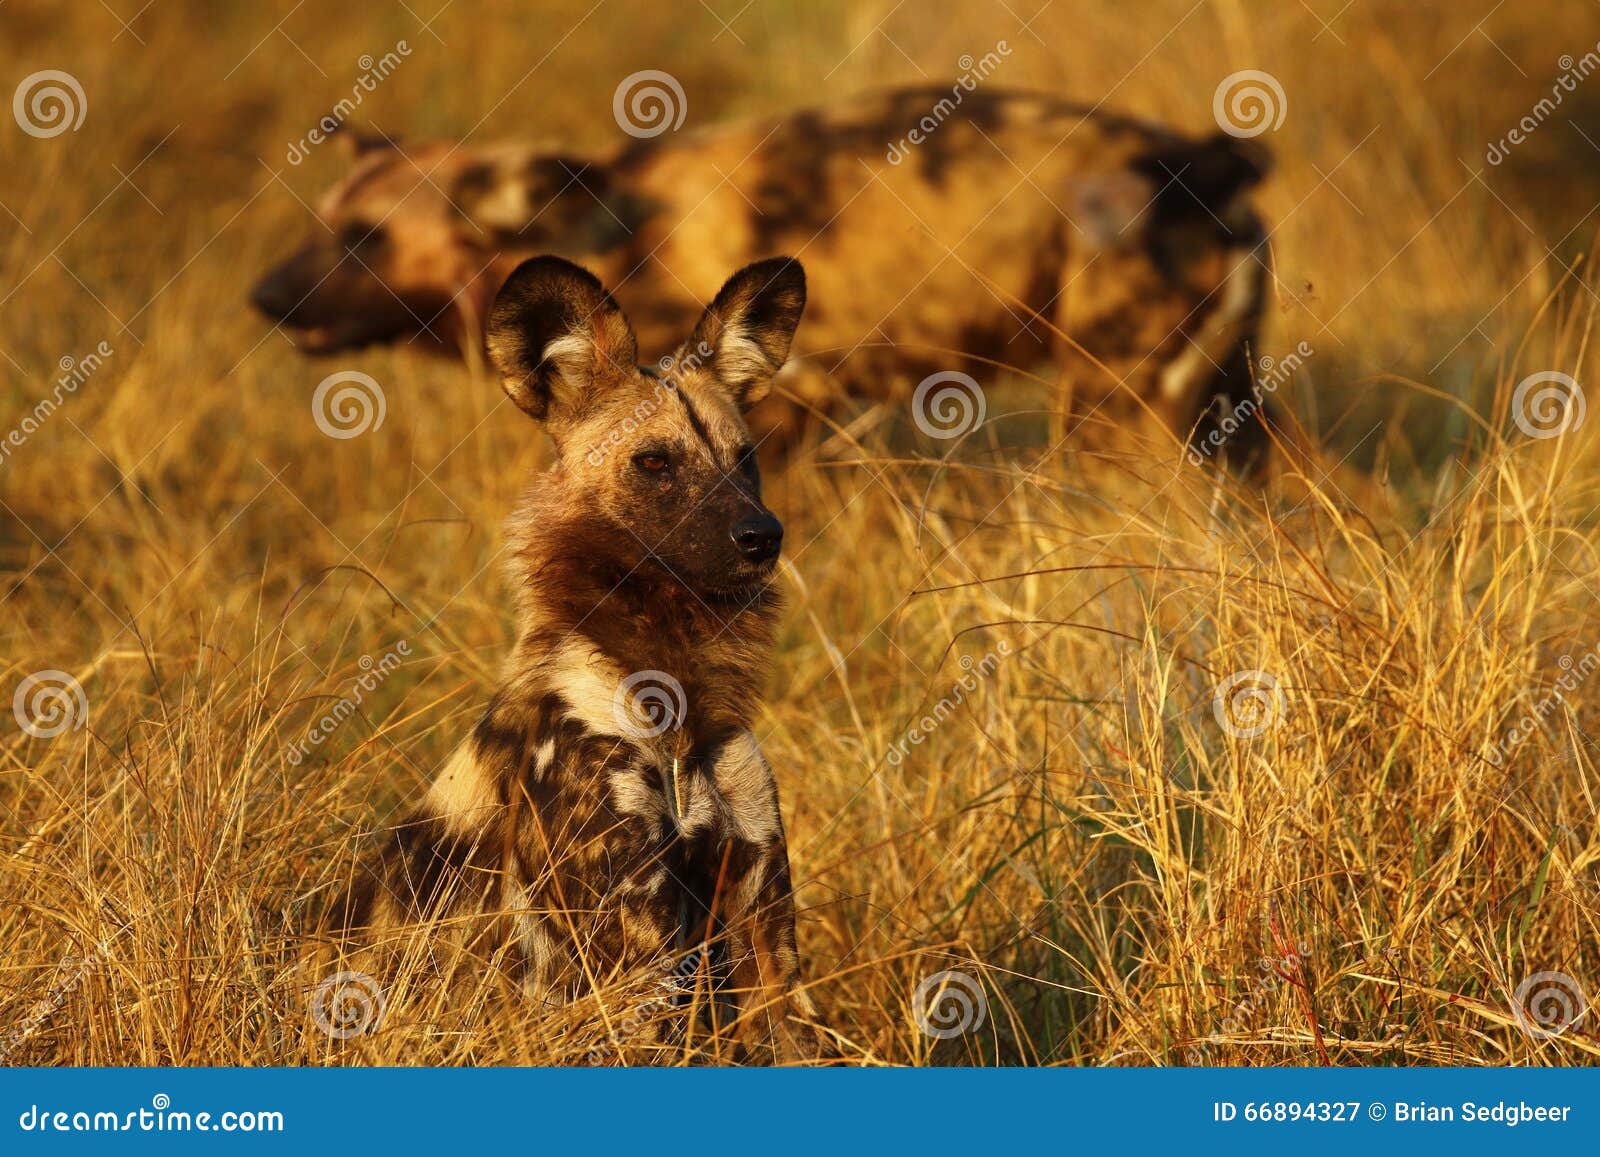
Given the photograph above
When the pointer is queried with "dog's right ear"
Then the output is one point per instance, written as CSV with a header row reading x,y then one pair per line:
x,y
554,334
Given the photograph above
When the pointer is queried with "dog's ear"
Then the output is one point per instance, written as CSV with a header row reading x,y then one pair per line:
x,y
744,334
555,334
356,143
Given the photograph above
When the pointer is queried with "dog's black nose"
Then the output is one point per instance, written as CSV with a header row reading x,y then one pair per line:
x,y
271,299
758,538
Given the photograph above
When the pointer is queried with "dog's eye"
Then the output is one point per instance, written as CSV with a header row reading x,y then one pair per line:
x,y
747,459
357,236
651,462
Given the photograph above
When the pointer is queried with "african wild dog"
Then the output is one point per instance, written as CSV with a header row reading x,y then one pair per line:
x,y
1021,215
612,807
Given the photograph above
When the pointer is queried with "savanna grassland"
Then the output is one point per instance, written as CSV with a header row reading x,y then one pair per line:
x,y
1206,770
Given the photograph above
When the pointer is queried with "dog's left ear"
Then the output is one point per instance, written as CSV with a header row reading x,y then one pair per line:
x,y
748,328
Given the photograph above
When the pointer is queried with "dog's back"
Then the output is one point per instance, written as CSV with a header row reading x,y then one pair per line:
x,y
943,230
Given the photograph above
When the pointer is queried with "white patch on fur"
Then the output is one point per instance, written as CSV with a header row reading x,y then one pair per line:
x,y
1110,209
651,885
539,948
632,796
803,1002
538,944
543,756
505,207
740,360
1242,292
463,795
702,810
588,682
572,353
744,780
749,890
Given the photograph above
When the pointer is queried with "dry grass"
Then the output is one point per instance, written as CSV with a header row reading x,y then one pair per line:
x,y
1080,832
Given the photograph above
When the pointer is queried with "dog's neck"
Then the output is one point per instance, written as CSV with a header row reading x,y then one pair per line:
x,y
582,606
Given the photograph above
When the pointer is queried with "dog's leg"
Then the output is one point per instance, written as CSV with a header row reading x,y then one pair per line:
x,y
776,1013
756,905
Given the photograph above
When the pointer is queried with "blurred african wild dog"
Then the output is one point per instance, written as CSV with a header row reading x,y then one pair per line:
x,y
1138,244
612,811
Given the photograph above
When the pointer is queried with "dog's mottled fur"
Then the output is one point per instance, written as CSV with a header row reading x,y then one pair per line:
x,y
599,820
1019,215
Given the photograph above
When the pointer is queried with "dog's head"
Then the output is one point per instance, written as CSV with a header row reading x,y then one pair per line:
x,y
657,460
416,238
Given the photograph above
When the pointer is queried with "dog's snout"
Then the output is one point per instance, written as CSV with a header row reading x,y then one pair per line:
x,y
758,538
272,298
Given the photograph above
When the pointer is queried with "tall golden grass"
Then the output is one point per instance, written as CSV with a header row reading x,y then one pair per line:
x,y
1367,879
